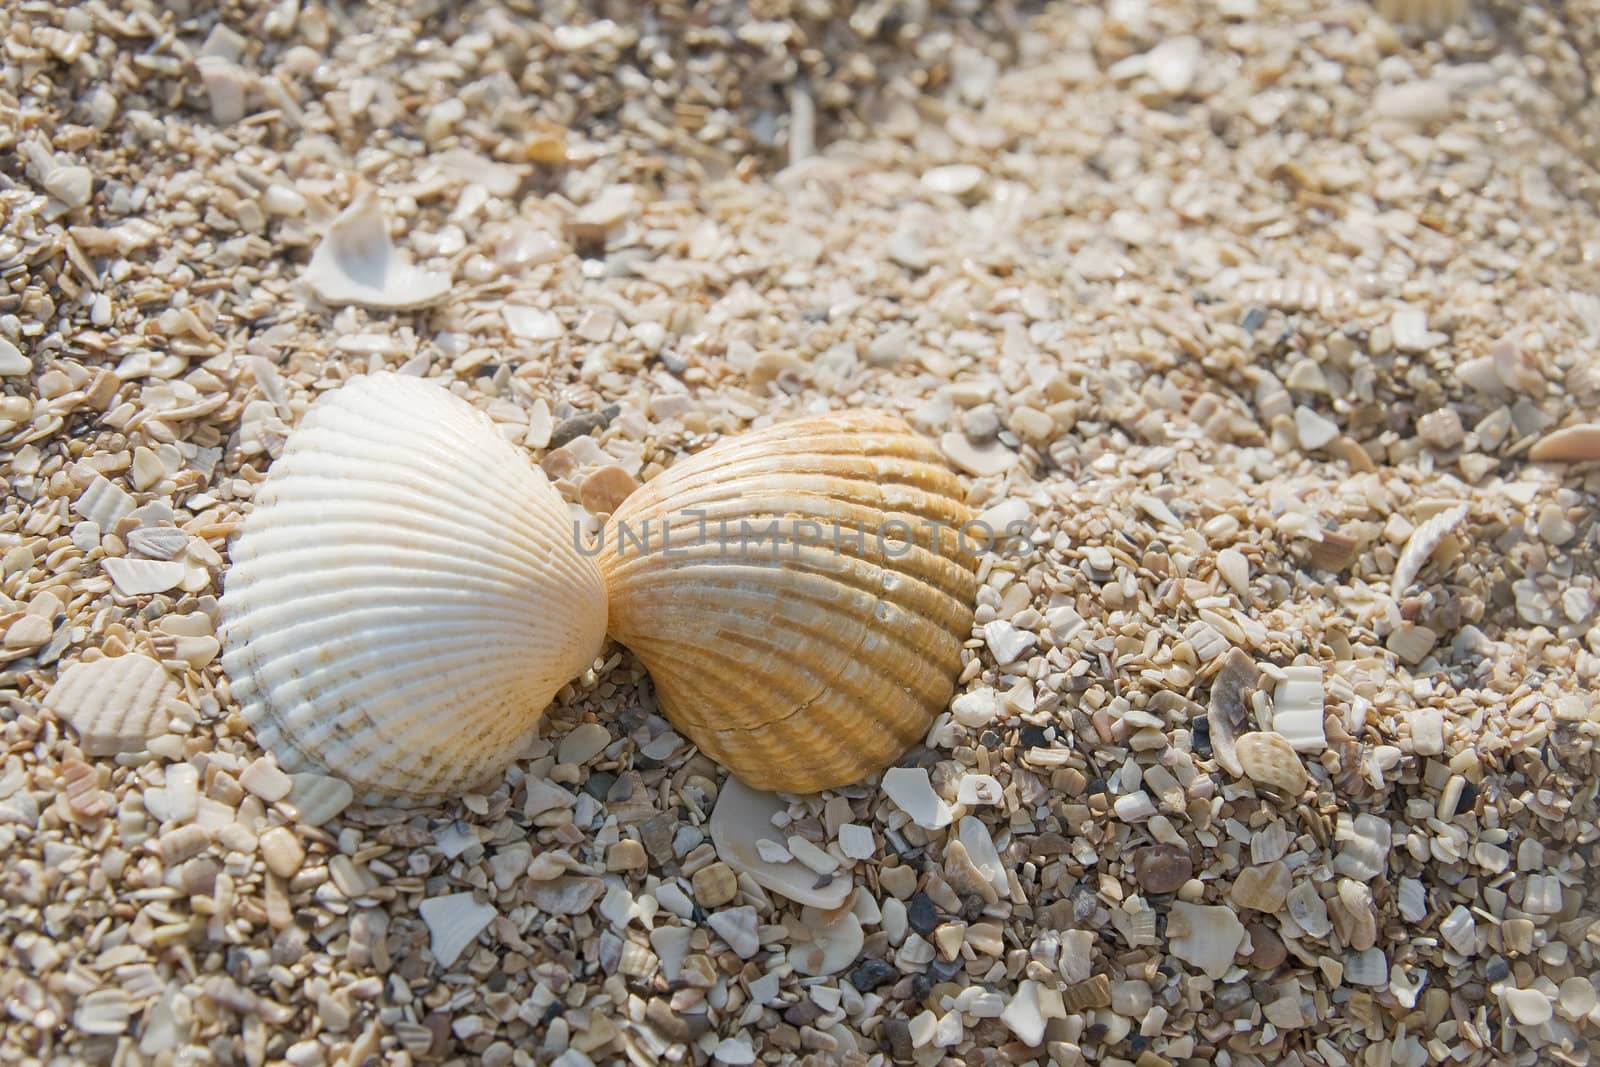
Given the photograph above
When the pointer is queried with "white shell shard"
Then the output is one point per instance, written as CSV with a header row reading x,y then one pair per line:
x,y
454,922
356,263
1421,544
1206,936
116,704
741,820
1297,709
1369,967
406,597
833,947
912,792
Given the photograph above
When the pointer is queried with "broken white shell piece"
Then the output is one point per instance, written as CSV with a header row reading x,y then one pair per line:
x,y
454,922
1367,968
833,946
1297,709
1206,936
975,789
356,263
1366,840
741,821
912,792
1421,544
117,704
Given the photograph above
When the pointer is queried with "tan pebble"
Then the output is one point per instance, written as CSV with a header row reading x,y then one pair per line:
x,y
626,855
1267,950
30,631
1570,444
1268,759
1262,888
281,851
1032,425
715,885
181,843
605,489
949,938
265,780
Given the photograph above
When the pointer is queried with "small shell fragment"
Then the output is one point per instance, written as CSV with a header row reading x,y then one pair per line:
x,y
104,1011
912,792
117,704
1206,936
1369,967
1570,444
1297,709
1528,1006
138,577
1421,544
741,820
1433,15
833,946
357,263
454,922
1268,759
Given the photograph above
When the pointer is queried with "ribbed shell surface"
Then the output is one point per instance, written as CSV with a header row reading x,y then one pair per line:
x,y
800,596
406,596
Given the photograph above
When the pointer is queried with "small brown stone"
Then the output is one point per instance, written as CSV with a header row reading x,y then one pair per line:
x,y
1093,993
606,488
715,885
625,855
1267,951
1335,552
1162,868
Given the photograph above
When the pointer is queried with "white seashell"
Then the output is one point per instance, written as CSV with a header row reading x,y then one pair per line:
x,y
1421,544
1366,840
356,263
104,1011
1460,930
316,798
1309,910
406,597
116,704
1206,936
454,922
741,821
1413,899
975,789
1578,997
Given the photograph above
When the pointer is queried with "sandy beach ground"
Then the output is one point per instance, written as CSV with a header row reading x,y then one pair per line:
x,y
1276,323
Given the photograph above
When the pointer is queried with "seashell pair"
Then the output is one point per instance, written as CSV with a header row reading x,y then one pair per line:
x,y
409,593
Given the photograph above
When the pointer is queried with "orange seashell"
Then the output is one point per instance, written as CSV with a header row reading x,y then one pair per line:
x,y
800,595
